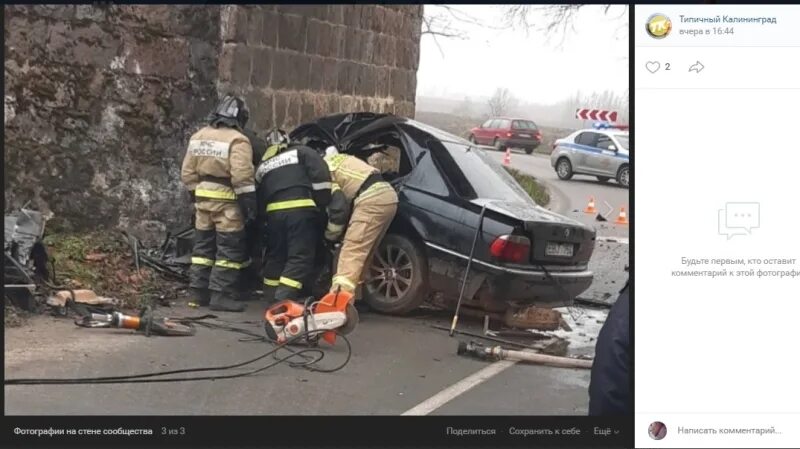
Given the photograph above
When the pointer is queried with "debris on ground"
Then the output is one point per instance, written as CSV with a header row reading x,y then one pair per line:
x,y
25,257
12,317
61,298
172,259
533,318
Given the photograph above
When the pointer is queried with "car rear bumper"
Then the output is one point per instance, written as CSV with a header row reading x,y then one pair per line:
x,y
554,288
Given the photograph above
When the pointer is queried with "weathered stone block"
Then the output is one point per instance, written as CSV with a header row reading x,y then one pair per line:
x,y
226,62
330,75
262,67
367,47
227,22
336,14
316,74
291,32
59,12
339,33
382,81
307,109
255,26
242,24
203,60
281,106
242,65
312,37
325,44
299,71
293,111
397,84
281,76
352,44
269,29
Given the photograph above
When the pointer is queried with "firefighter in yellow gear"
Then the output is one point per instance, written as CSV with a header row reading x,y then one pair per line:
x,y
218,171
358,187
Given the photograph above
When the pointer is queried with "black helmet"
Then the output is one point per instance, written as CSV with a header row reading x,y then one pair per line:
x,y
231,111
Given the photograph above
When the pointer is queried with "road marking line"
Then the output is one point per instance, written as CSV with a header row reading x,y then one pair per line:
x,y
459,388
623,240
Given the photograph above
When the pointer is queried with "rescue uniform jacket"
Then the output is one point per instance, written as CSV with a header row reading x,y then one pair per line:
x,y
292,176
218,164
353,180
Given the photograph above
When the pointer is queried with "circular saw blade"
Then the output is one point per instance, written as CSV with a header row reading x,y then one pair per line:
x,y
352,320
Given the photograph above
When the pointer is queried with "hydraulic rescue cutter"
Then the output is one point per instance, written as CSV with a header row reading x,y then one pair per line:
x,y
289,320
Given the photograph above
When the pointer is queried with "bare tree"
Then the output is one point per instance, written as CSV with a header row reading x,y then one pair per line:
x,y
553,20
501,102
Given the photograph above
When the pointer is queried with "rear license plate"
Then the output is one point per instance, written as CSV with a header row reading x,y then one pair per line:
x,y
559,249
525,135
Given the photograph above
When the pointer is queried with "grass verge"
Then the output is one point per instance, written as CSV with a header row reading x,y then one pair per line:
x,y
536,191
102,262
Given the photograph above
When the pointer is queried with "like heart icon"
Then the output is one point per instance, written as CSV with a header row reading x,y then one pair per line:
x,y
652,66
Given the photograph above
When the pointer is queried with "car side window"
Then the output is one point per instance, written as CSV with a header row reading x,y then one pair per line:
x,y
604,142
487,124
493,123
505,124
587,138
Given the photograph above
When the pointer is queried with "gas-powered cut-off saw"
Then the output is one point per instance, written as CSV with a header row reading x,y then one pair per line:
x,y
334,313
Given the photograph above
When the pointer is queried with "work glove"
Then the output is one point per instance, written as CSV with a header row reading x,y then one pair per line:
x,y
334,232
248,204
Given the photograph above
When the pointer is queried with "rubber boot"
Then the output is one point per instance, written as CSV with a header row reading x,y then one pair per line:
x,y
200,296
224,303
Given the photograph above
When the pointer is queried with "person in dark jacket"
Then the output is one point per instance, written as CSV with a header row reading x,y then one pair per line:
x,y
294,184
609,387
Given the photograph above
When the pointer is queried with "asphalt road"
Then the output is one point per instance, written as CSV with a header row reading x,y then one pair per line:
x,y
570,198
398,366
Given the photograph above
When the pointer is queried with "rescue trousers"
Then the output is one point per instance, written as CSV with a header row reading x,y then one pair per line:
x,y
372,214
220,252
292,237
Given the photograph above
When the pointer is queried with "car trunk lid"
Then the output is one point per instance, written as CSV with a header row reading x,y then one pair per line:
x,y
555,239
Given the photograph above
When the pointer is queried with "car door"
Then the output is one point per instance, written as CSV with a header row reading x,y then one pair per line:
x,y
488,133
601,162
581,150
480,133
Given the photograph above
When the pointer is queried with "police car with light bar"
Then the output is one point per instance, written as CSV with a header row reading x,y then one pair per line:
x,y
602,151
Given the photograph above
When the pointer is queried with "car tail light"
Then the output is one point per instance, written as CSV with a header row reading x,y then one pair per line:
x,y
511,248
509,134
539,135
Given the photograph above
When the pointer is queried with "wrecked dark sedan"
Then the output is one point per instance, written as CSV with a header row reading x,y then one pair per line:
x,y
451,195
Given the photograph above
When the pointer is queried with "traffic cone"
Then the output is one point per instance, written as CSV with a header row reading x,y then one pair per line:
x,y
590,209
622,219
507,158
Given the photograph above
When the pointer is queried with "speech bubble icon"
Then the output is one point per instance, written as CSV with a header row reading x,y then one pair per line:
x,y
745,216
723,229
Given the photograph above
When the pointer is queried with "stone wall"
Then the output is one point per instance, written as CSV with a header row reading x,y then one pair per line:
x,y
99,104
297,62
100,100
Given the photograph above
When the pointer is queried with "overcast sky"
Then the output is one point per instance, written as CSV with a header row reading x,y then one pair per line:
x,y
591,58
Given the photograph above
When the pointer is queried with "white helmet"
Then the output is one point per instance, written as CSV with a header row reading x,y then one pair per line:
x,y
331,150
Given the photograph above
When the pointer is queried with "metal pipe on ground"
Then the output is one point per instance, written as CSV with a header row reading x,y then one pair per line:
x,y
498,353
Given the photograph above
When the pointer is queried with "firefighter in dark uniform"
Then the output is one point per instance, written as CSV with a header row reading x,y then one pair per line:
x,y
293,185
218,171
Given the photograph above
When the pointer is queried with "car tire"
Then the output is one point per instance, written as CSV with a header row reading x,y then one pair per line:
x,y
564,169
396,252
497,145
528,150
623,176
603,178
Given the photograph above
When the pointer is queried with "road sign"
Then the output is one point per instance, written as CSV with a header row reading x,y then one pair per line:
x,y
596,114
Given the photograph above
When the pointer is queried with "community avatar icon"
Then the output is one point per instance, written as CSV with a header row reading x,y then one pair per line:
x,y
658,26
